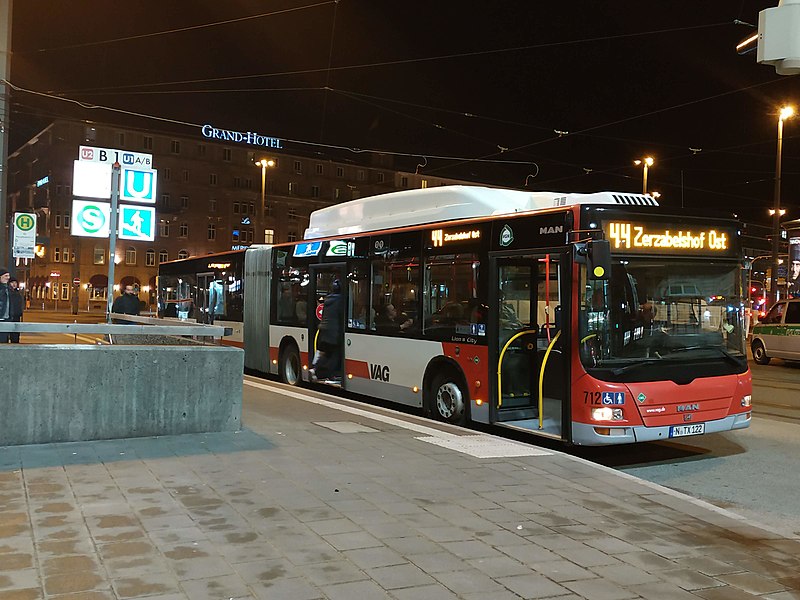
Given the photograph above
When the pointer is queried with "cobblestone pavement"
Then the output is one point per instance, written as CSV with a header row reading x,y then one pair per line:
x,y
322,498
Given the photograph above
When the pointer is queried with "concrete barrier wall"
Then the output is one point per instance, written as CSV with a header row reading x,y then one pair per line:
x,y
58,393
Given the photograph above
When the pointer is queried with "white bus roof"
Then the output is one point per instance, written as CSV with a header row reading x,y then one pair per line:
x,y
447,203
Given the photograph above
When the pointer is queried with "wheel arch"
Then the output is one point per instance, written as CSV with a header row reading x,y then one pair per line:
x,y
438,365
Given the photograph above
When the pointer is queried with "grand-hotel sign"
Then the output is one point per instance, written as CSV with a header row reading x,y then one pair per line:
x,y
241,137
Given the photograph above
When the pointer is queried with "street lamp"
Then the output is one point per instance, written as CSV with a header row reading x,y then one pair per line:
x,y
647,162
785,113
264,163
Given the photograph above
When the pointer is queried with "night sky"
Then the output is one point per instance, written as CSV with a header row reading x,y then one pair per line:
x,y
566,94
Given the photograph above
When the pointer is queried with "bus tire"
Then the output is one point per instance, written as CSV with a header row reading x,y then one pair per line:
x,y
447,398
760,353
289,368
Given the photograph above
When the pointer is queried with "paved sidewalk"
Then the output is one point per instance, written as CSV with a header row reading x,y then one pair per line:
x,y
310,502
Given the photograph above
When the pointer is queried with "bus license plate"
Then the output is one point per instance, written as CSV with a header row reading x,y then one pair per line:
x,y
681,430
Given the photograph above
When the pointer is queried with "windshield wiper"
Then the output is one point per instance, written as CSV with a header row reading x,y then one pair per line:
x,y
636,365
727,355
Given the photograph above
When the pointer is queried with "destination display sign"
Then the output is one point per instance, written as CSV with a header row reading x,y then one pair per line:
x,y
643,237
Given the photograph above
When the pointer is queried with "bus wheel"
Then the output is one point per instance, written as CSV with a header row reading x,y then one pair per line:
x,y
289,365
447,399
760,354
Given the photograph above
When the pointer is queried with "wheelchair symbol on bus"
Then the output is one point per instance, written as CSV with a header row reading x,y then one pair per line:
x,y
613,398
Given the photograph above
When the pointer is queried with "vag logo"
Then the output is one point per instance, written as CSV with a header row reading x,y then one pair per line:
x,y
554,229
687,407
379,372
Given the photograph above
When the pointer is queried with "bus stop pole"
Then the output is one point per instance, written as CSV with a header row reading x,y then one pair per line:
x,y
112,238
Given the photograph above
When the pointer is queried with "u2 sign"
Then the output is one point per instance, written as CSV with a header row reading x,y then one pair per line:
x,y
138,185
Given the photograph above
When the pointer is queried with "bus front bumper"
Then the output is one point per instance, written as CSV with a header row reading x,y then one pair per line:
x,y
584,434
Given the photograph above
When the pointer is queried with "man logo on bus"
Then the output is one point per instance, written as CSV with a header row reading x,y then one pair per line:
x,y
506,236
91,219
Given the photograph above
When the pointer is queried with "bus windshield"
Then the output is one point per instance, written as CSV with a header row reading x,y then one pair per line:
x,y
662,312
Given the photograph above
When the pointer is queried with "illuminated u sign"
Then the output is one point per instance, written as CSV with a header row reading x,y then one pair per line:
x,y
138,185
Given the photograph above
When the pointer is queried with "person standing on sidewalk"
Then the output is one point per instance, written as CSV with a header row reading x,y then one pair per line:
x,y
127,303
5,303
15,307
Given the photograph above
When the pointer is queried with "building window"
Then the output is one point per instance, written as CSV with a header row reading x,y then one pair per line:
x,y
163,256
184,230
147,142
237,182
381,177
56,254
65,291
65,254
121,139
66,220
185,176
251,208
212,231
340,171
404,181
361,176
150,258
165,201
184,201
248,183
201,150
212,205
315,191
175,147
235,235
163,229
269,210
292,237
236,208
130,256
99,256
226,154
292,214
58,220
68,190
320,169
292,187
58,189
250,235
183,254
72,256
212,178
167,174
298,167
423,184
269,236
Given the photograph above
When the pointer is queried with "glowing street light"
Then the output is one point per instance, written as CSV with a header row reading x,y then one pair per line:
x,y
785,113
646,162
264,164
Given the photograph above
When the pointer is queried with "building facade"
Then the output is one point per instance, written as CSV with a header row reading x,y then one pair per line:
x,y
211,197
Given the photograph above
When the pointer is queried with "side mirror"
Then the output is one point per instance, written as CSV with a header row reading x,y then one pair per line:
x,y
599,259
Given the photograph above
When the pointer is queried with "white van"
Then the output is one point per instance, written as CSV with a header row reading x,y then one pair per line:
x,y
777,335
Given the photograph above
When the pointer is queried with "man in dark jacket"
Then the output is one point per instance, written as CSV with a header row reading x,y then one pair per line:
x,y
5,303
327,363
16,304
127,303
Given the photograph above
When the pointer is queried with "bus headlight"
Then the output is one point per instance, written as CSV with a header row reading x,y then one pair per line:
x,y
606,413
747,401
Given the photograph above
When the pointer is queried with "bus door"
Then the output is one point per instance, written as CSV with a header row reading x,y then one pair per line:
x,y
529,366
203,305
329,368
